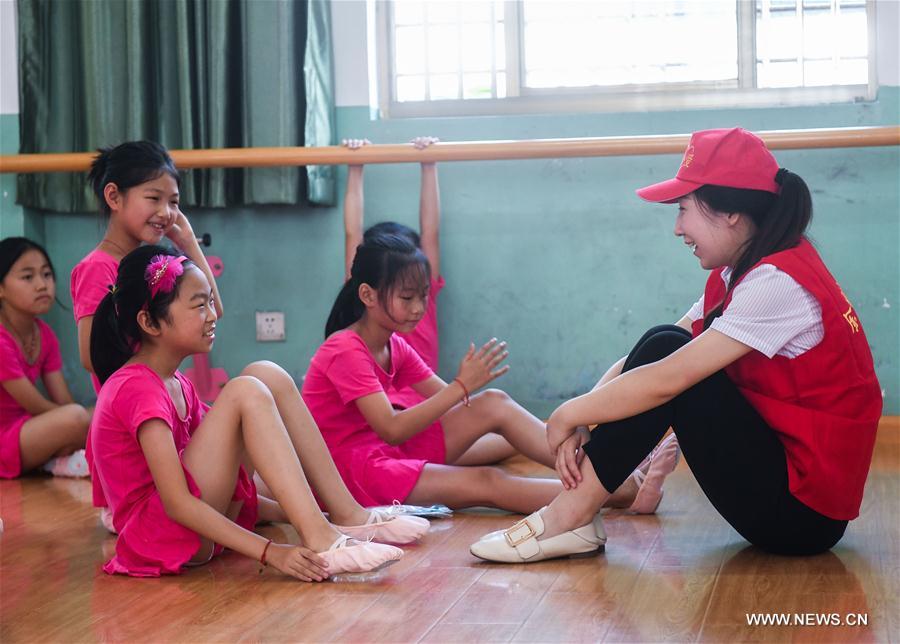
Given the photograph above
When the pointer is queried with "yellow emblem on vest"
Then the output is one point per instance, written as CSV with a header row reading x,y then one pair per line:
x,y
849,316
852,320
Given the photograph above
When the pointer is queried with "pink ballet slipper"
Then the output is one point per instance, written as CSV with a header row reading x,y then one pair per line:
x,y
659,464
347,555
72,466
384,528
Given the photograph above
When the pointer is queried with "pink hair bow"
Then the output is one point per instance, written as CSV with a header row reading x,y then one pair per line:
x,y
162,273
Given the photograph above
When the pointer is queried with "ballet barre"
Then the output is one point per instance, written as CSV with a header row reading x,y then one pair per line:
x,y
850,137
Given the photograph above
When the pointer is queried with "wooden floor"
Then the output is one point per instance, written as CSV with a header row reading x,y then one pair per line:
x,y
683,575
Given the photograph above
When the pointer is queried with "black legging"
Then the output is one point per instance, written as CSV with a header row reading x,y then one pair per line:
x,y
735,456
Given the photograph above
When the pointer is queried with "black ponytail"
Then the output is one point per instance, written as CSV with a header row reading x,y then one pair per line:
x,y
383,262
109,348
347,308
780,221
115,333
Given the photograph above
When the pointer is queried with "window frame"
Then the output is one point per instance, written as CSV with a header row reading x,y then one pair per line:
x,y
660,97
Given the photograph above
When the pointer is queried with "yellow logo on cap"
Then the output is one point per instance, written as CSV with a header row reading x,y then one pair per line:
x,y
688,157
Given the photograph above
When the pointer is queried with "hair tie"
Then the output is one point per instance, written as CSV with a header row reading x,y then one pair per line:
x,y
162,273
779,176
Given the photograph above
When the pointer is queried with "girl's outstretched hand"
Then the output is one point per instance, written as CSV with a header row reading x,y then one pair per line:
x,y
569,457
480,367
297,561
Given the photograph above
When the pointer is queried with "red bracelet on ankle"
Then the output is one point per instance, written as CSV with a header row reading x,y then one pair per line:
x,y
465,399
262,558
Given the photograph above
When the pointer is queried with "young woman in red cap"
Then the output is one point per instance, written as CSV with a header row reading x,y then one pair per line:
x,y
767,381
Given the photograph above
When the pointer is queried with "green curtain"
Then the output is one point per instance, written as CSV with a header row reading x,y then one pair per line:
x,y
190,74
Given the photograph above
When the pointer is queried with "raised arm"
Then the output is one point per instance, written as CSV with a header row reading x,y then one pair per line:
x,y
353,207
182,234
429,208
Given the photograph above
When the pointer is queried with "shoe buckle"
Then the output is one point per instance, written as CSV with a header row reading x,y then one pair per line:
x,y
514,539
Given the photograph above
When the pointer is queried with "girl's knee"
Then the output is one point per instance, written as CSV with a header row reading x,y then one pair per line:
x,y
270,373
496,394
490,398
77,419
246,388
491,478
261,369
492,405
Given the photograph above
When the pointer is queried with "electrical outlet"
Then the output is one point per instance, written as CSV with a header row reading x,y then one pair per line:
x,y
270,326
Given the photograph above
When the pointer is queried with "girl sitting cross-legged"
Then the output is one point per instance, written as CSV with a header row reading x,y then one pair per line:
x,y
35,429
374,444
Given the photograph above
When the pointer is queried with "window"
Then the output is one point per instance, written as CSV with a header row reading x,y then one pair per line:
x,y
478,57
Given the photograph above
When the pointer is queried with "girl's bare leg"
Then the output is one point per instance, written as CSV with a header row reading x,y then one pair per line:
x,y
309,445
487,450
57,432
245,419
462,487
493,411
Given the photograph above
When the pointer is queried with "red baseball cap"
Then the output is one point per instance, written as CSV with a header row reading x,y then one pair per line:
x,y
734,158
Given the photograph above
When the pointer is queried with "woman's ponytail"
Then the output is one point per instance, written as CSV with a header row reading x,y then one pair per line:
x,y
793,207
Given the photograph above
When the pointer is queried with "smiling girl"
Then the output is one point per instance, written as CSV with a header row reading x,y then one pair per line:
x,y
137,187
768,380
176,472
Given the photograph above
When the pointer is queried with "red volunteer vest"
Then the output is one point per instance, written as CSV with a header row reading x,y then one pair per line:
x,y
825,405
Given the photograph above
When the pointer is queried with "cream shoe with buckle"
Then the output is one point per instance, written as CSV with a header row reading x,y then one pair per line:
x,y
520,544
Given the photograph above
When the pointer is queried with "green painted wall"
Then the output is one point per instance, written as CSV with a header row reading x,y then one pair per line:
x,y
14,220
557,256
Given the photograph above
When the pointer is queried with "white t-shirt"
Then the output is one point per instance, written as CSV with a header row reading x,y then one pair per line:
x,y
770,312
